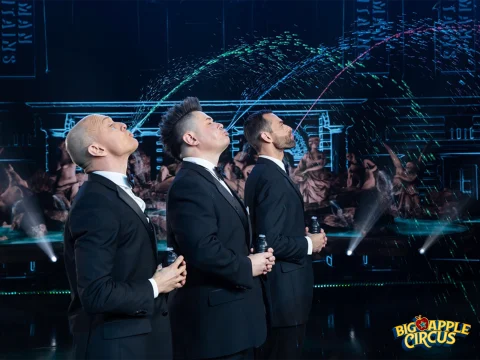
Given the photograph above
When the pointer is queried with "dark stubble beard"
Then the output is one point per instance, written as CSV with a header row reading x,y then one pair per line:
x,y
285,143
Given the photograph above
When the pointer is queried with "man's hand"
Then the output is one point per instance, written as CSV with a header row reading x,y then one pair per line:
x,y
262,263
271,261
171,277
319,241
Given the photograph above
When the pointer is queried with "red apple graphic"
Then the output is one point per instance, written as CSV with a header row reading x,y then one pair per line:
x,y
421,323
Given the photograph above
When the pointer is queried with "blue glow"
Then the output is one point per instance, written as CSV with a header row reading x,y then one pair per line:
x,y
345,234
426,227
331,321
161,212
162,245
470,221
17,237
235,133
365,259
367,319
300,148
329,260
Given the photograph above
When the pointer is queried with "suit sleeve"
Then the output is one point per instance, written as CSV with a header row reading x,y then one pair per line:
x,y
94,229
270,215
191,217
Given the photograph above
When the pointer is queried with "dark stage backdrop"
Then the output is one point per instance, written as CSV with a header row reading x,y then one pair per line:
x,y
353,75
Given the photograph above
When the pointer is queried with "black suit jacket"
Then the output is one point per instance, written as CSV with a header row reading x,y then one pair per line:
x,y
220,310
110,253
276,210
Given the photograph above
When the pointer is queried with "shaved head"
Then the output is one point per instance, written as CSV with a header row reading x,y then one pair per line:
x,y
81,136
98,143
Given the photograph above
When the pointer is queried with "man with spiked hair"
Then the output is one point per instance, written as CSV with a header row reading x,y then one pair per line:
x,y
220,312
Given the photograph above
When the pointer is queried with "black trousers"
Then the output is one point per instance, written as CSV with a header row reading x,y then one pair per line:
x,y
282,343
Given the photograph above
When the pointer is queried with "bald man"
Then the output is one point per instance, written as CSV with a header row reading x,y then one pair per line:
x,y
118,308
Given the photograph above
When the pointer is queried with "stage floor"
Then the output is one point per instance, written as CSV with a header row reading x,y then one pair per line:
x,y
358,299
345,323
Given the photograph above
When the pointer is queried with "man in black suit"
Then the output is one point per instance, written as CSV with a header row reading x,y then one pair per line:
x,y
116,311
276,210
220,312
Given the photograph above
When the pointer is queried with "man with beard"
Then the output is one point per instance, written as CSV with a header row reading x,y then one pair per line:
x,y
276,210
219,313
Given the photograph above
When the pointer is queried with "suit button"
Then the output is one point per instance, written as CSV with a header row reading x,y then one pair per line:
x,y
140,313
165,313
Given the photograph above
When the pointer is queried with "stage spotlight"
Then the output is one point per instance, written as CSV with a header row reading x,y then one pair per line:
x,y
421,251
53,258
349,252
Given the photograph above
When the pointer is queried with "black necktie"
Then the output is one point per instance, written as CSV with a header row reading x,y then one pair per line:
x,y
218,172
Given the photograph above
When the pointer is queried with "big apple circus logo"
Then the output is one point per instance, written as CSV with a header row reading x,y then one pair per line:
x,y
425,333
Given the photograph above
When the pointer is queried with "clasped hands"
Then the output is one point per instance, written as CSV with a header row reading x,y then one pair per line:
x,y
319,241
262,263
171,277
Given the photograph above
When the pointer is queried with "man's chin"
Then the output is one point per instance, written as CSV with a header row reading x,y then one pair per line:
x,y
226,144
134,147
290,145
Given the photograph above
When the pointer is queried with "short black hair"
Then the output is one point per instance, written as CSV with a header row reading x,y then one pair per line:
x,y
173,127
254,125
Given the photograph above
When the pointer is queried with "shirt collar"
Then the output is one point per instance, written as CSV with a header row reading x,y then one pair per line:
x,y
199,161
115,177
276,161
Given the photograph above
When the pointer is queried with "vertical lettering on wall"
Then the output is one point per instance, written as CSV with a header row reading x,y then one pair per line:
x,y
455,42
371,28
17,52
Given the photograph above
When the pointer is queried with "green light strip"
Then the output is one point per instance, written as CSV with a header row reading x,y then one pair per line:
x,y
50,292
385,283
316,286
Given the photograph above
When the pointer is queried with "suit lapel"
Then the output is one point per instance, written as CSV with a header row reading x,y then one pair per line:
x,y
295,186
246,214
133,205
272,164
234,201
143,217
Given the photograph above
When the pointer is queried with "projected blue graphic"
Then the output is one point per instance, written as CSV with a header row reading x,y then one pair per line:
x,y
405,132
372,27
119,111
456,45
415,227
366,97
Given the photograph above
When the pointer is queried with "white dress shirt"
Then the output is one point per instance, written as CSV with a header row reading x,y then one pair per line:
x,y
209,166
282,166
121,181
